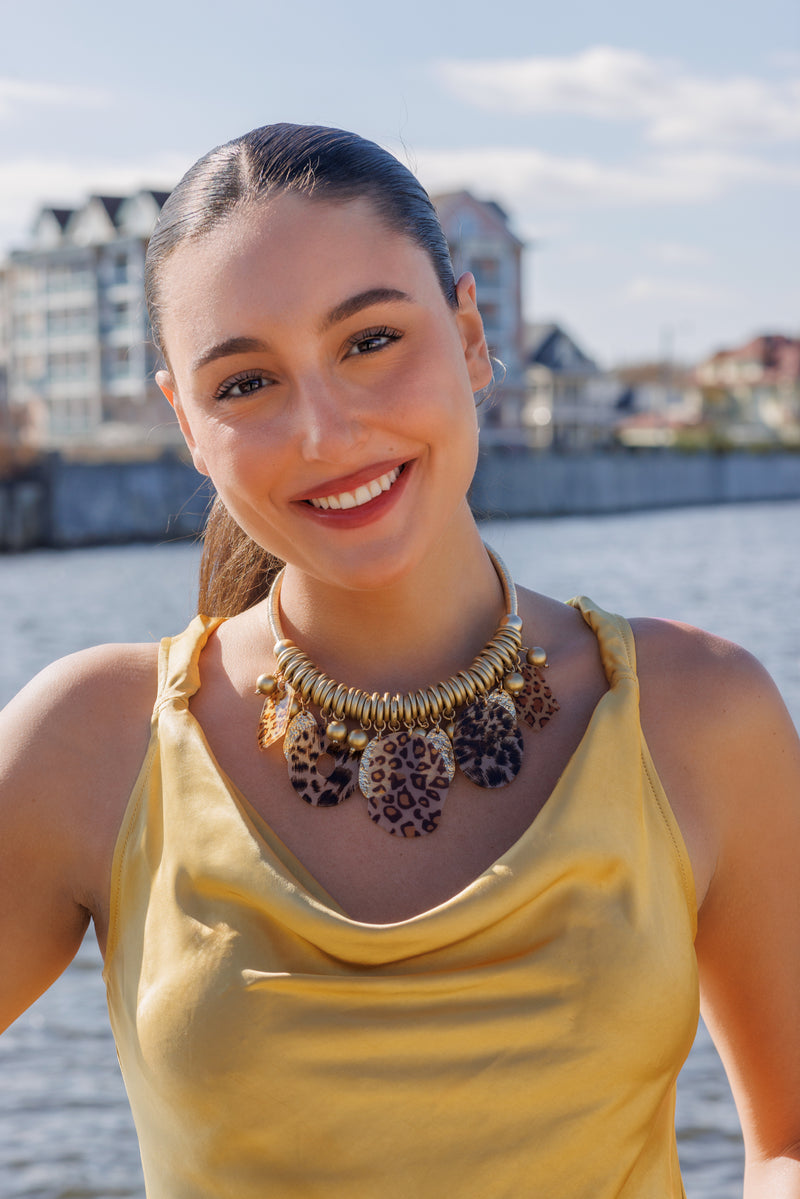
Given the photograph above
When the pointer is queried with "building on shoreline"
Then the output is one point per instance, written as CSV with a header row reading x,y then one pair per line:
x,y
79,360
482,242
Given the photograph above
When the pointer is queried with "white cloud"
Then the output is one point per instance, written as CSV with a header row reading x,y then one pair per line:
x,y
675,291
19,93
612,84
527,178
678,254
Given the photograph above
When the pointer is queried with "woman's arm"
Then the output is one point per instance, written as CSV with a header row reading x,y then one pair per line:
x,y
728,753
70,746
748,943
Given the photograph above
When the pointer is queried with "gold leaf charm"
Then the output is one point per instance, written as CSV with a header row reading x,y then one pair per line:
x,y
405,780
488,741
274,718
321,772
536,703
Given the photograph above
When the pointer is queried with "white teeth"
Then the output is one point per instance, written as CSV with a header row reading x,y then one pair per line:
x,y
361,495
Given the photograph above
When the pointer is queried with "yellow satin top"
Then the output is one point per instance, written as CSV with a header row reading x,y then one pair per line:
x,y
522,1039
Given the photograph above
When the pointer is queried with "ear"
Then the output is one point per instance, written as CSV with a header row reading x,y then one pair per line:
x,y
164,381
473,340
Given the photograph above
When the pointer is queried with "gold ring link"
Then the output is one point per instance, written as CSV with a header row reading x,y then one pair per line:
x,y
468,683
337,700
408,714
434,697
320,690
493,659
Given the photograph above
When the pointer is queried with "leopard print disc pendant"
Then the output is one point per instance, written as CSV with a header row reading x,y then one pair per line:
x,y
274,718
488,742
535,703
405,780
322,773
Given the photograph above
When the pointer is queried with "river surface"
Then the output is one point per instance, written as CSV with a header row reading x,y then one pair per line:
x,y
65,1130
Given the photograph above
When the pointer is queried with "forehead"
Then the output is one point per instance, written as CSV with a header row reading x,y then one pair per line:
x,y
287,259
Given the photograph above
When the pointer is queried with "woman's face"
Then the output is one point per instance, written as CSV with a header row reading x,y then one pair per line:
x,y
325,385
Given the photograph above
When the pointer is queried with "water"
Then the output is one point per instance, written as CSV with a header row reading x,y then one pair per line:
x,y
65,1131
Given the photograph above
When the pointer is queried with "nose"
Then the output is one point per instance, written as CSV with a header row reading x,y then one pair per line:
x,y
329,421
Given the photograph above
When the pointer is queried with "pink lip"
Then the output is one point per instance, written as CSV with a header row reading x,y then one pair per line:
x,y
354,518
348,482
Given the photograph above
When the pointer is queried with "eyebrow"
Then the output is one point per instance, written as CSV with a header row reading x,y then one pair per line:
x,y
354,304
349,307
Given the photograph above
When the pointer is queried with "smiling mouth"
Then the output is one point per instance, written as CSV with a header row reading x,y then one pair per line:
x,y
360,495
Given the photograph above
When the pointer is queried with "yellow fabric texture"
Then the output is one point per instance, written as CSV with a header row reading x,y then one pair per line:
x,y
522,1039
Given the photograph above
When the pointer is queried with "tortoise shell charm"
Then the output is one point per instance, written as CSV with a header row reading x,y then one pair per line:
x,y
274,718
488,742
535,703
405,780
322,772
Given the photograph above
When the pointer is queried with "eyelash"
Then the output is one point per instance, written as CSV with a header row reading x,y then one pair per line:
x,y
366,335
224,390
379,331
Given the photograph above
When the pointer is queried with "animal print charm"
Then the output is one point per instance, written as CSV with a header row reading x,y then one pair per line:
x,y
535,703
405,780
322,773
488,742
274,718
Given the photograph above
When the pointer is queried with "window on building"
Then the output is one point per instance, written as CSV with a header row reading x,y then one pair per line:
x,y
72,364
491,315
486,270
119,267
118,362
65,321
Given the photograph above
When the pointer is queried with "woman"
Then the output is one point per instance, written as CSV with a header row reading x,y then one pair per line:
x,y
465,965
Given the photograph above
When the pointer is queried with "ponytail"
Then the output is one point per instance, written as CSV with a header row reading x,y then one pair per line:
x,y
235,573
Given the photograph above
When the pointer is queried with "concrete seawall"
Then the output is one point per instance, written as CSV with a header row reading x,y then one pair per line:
x,y
512,483
60,503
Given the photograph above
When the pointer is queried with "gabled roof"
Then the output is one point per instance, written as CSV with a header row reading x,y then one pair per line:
x,y
159,197
62,215
547,344
110,203
449,204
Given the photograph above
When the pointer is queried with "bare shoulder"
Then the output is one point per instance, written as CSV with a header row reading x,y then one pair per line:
x,y
700,677
723,744
104,689
71,745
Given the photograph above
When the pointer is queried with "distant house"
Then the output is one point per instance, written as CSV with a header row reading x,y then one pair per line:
x,y
482,242
658,402
77,347
571,402
755,387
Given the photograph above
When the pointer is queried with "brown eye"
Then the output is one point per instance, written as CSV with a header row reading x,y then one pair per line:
x,y
241,386
370,341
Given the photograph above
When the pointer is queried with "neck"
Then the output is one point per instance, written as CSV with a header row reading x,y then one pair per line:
x,y
425,626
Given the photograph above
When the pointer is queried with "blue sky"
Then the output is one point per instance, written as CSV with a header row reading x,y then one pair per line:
x,y
647,155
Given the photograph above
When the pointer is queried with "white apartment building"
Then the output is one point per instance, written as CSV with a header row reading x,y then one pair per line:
x,y
482,242
78,355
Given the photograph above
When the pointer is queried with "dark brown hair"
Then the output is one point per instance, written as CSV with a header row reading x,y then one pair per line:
x,y
314,161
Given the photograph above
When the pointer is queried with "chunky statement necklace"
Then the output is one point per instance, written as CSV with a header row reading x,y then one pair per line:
x,y
401,750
